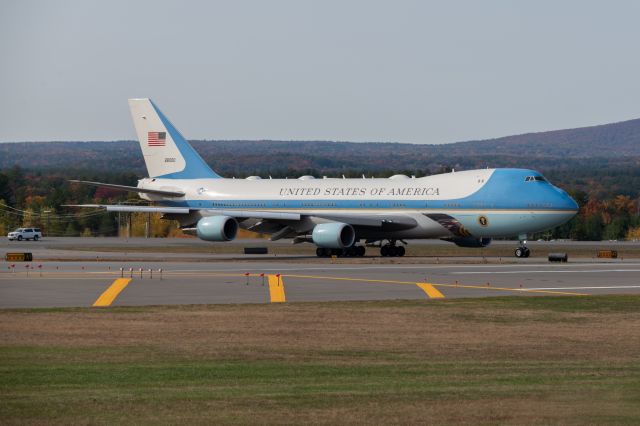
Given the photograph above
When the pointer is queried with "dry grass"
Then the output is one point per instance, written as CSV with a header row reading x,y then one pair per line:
x,y
503,360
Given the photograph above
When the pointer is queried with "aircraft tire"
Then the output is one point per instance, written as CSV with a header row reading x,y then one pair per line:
x,y
360,250
527,252
400,251
384,251
519,252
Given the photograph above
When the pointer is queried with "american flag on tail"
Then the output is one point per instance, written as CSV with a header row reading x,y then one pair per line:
x,y
157,138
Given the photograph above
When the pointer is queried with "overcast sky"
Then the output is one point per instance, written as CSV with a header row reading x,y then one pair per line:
x,y
419,72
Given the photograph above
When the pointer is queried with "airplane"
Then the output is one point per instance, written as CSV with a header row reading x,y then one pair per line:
x,y
340,216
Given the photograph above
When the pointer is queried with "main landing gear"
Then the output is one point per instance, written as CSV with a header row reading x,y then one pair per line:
x,y
391,250
386,250
353,251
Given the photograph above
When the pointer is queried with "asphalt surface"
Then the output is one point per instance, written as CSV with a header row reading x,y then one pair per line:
x,y
189,249
58,284
88,282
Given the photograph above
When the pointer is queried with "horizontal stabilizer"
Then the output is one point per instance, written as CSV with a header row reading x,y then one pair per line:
x,y
130,188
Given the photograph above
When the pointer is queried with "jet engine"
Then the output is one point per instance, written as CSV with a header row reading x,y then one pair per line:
x,y
470,242
217,228
333,235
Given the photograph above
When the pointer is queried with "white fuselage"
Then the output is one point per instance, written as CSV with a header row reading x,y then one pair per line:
x,y
458,194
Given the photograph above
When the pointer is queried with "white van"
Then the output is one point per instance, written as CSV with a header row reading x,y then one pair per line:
x,y
25,234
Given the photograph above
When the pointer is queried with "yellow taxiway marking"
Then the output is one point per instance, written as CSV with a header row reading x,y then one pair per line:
x,y
276,289
110,294
431,291
477,287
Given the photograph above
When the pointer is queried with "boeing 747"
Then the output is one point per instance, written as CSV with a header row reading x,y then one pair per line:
x,y
339,216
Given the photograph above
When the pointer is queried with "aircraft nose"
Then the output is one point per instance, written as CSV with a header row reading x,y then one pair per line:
x,y
566,202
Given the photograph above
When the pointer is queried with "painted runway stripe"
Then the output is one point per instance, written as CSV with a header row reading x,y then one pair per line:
x,y
431,291
110,294
276,289
557,271
292,267
604,287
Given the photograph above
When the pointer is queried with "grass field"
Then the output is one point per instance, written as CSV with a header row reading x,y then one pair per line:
x,y
543,360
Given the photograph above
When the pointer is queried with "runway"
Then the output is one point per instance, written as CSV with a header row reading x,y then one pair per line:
x,y
84,272
85,284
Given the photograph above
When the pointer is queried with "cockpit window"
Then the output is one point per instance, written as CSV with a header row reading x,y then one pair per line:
x,y
534,178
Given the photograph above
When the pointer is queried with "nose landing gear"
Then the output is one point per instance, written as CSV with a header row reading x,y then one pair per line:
x,y
522,250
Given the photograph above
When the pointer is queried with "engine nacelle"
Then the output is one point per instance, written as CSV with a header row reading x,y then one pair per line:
x,y
333,235
471,242
217,228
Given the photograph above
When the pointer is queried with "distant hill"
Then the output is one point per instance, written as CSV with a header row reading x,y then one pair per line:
x,y
616,143
620,139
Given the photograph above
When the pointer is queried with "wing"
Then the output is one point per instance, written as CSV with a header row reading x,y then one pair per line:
x,y
125,208
388,222
241,214
278,224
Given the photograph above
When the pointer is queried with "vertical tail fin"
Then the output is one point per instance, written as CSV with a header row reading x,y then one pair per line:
x,y
166,153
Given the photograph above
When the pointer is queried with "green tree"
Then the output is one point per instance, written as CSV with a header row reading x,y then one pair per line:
x,y
593,228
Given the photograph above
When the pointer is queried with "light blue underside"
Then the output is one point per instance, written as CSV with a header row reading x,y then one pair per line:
x,y
510,224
